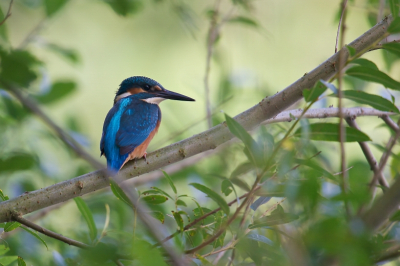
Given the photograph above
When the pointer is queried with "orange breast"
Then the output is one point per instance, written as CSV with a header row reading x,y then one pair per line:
x,y
140,150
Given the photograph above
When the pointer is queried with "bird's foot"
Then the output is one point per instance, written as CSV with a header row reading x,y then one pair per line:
x,y
145,157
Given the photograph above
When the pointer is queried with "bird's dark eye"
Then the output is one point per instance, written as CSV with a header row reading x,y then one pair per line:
x,y
147,87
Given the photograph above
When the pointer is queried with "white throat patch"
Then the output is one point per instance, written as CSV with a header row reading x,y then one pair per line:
x,y
155,100
123,95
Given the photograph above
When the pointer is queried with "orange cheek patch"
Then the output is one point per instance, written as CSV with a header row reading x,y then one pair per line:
x,y
157,88
135,90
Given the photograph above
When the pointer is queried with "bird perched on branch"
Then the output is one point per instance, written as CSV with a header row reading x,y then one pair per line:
x,y
133,121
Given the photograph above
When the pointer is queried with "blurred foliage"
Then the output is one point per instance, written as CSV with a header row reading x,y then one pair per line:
x,y
296,215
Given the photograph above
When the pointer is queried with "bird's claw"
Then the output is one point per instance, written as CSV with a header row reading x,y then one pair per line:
x,y
145,157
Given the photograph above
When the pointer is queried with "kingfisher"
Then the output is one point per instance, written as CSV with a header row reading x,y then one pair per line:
x,y
133,120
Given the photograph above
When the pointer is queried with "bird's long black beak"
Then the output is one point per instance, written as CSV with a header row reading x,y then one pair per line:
x,y
173,96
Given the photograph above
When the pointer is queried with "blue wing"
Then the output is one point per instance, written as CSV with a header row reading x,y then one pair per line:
x,y
137,122
127,125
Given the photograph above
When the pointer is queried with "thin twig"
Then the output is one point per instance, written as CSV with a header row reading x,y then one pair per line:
x,y
49,233
385,156
340,24
342,132
390,122
368,154
8,13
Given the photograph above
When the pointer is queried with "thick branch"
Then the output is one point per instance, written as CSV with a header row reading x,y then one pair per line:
x,y
210,139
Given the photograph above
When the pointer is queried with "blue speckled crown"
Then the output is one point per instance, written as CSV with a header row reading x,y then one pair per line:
x,y
136,81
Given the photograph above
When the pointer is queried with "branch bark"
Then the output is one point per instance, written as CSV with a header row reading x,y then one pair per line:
x,y
207,140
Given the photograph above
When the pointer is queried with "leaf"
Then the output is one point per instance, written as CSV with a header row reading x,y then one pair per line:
x,y
201,211
203,260
124,7
259,238
17,67
180,202
245,21
87,214
330,132
158,215
242,169
364,62
11,226
395,217
69,54
352,50
311,95
369,74
278,216
372,100
117,191
260,201
21,261
17,162
154,199
226,187
53,6
219,221
394,7
239,132
394,27
58,91
213,195
316,167
2,196
145,254
4,249
178,220
35,235
159,191
6,260
171,183
393,47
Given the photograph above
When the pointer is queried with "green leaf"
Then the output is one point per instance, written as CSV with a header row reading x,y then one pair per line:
x,y
53,6
213,195
277,217
2,196
58,91
393,47
352,51
369,74
395,217
201,211
6,260
394,7
226,187
260,238
159,191
394,27
4,249
316,167
124,7
330,132
180,202
146,255
117,191
17,162
178,220
154,199
87,214
241,169
17,67
364,62
245,21
203,260
312,94
35,235
11,226
219,221
372,100
169,179
69,54
21,261
158,215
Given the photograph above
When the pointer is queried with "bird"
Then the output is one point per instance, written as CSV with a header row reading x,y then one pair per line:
x,y
133,120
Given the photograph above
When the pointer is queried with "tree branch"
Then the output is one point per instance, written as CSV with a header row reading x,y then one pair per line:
x,y
8,13
207,140
49,233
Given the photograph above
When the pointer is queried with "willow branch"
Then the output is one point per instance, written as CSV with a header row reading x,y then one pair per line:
x,y
49,233
207,140
8,13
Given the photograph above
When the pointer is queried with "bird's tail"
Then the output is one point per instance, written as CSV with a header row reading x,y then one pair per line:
x,y
114,164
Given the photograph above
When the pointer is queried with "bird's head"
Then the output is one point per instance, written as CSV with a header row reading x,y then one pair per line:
x,y
152,88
